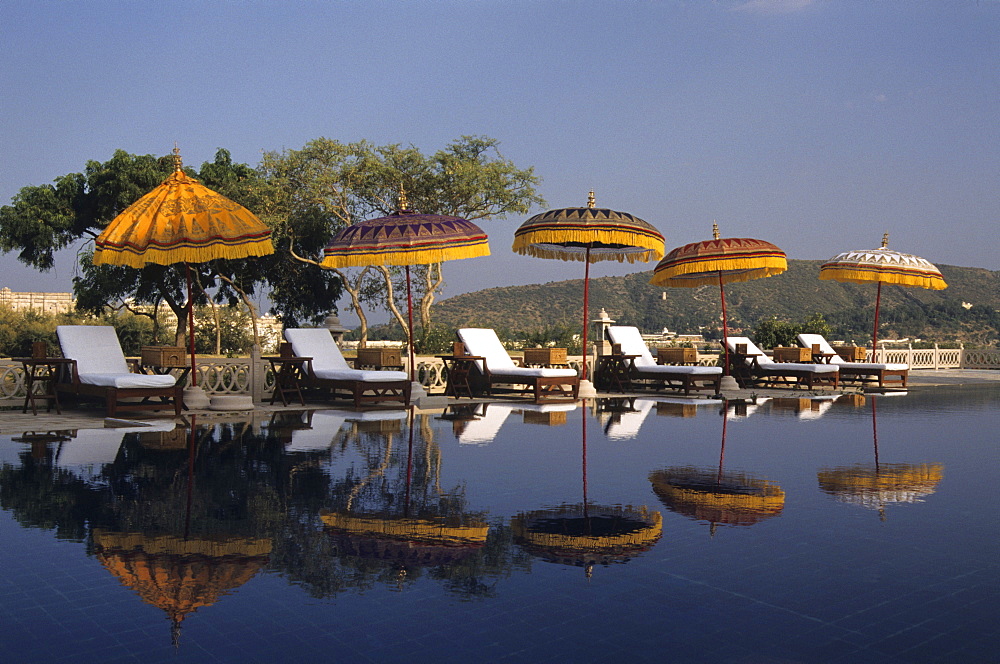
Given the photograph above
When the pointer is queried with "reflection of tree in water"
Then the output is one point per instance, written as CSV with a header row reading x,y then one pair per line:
x,y
390,522
240,485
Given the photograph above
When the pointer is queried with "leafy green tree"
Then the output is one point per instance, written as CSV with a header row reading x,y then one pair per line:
x,y
77,207
317,190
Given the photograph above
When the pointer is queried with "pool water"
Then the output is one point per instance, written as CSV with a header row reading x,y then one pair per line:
x,y
854,529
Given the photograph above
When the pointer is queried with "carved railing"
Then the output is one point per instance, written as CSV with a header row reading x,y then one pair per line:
x,y
252,375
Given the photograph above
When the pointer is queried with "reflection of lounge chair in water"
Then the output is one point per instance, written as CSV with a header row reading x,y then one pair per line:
x,y
625,425
321,432
484,429
861,372
86,454
811,408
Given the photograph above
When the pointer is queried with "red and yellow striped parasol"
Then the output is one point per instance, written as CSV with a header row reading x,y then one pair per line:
x,y
719,261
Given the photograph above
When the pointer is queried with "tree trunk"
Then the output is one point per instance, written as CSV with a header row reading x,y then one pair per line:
x,y
354,290
390,299
433,279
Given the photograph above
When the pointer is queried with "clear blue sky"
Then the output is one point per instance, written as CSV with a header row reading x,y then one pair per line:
x,y
815,124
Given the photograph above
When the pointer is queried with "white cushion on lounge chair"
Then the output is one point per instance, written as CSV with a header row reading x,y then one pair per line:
x,y
765,363
809,340
484,342
632,344
328,362
100,360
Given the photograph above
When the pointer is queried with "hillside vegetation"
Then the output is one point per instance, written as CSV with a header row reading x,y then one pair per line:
x,y
791,296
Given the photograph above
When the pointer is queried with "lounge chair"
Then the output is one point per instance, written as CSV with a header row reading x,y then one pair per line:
x,y
329,370
497,367
99,369
643,367
754,366
861,372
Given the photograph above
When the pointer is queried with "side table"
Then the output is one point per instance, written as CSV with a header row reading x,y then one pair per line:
x,y
613,370
289,373
460,368
42,371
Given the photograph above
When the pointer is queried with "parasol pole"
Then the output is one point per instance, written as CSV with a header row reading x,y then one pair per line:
x,y
586,303
409,320
194,369
722,451
878,302
725,326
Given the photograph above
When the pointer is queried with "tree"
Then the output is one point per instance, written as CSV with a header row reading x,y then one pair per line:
x,y
316,191
77,207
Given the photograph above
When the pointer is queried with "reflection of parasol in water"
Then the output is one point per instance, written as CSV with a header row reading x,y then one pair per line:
x,y
395,534
583,535
876,486
180,575
717,497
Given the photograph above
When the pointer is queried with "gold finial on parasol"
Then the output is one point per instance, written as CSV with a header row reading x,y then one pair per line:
x,y
590,199
885,241
715,231
403,203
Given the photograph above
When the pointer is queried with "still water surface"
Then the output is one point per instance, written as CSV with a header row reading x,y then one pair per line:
x,y
855,529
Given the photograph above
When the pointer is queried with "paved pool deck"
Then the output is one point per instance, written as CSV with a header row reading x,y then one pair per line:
x,y
91,415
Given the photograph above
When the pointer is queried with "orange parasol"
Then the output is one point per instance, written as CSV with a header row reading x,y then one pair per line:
x,y
182,221
719,261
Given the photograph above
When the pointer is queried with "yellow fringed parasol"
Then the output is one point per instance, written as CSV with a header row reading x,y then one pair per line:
x,y
589,234
717,497
875,486
882,265
719,261
182,221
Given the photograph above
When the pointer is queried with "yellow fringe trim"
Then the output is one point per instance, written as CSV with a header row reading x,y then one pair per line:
x,y
931,282
189,254
169,544
404,256
635,245
424,530
643,537
923,477
707,273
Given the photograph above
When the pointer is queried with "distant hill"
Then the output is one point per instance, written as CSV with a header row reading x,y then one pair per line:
x,y
792,296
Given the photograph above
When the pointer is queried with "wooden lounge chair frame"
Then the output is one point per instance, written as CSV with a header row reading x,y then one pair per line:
x,y
360,391
542,388
863,372
152,398
749,375
679,379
